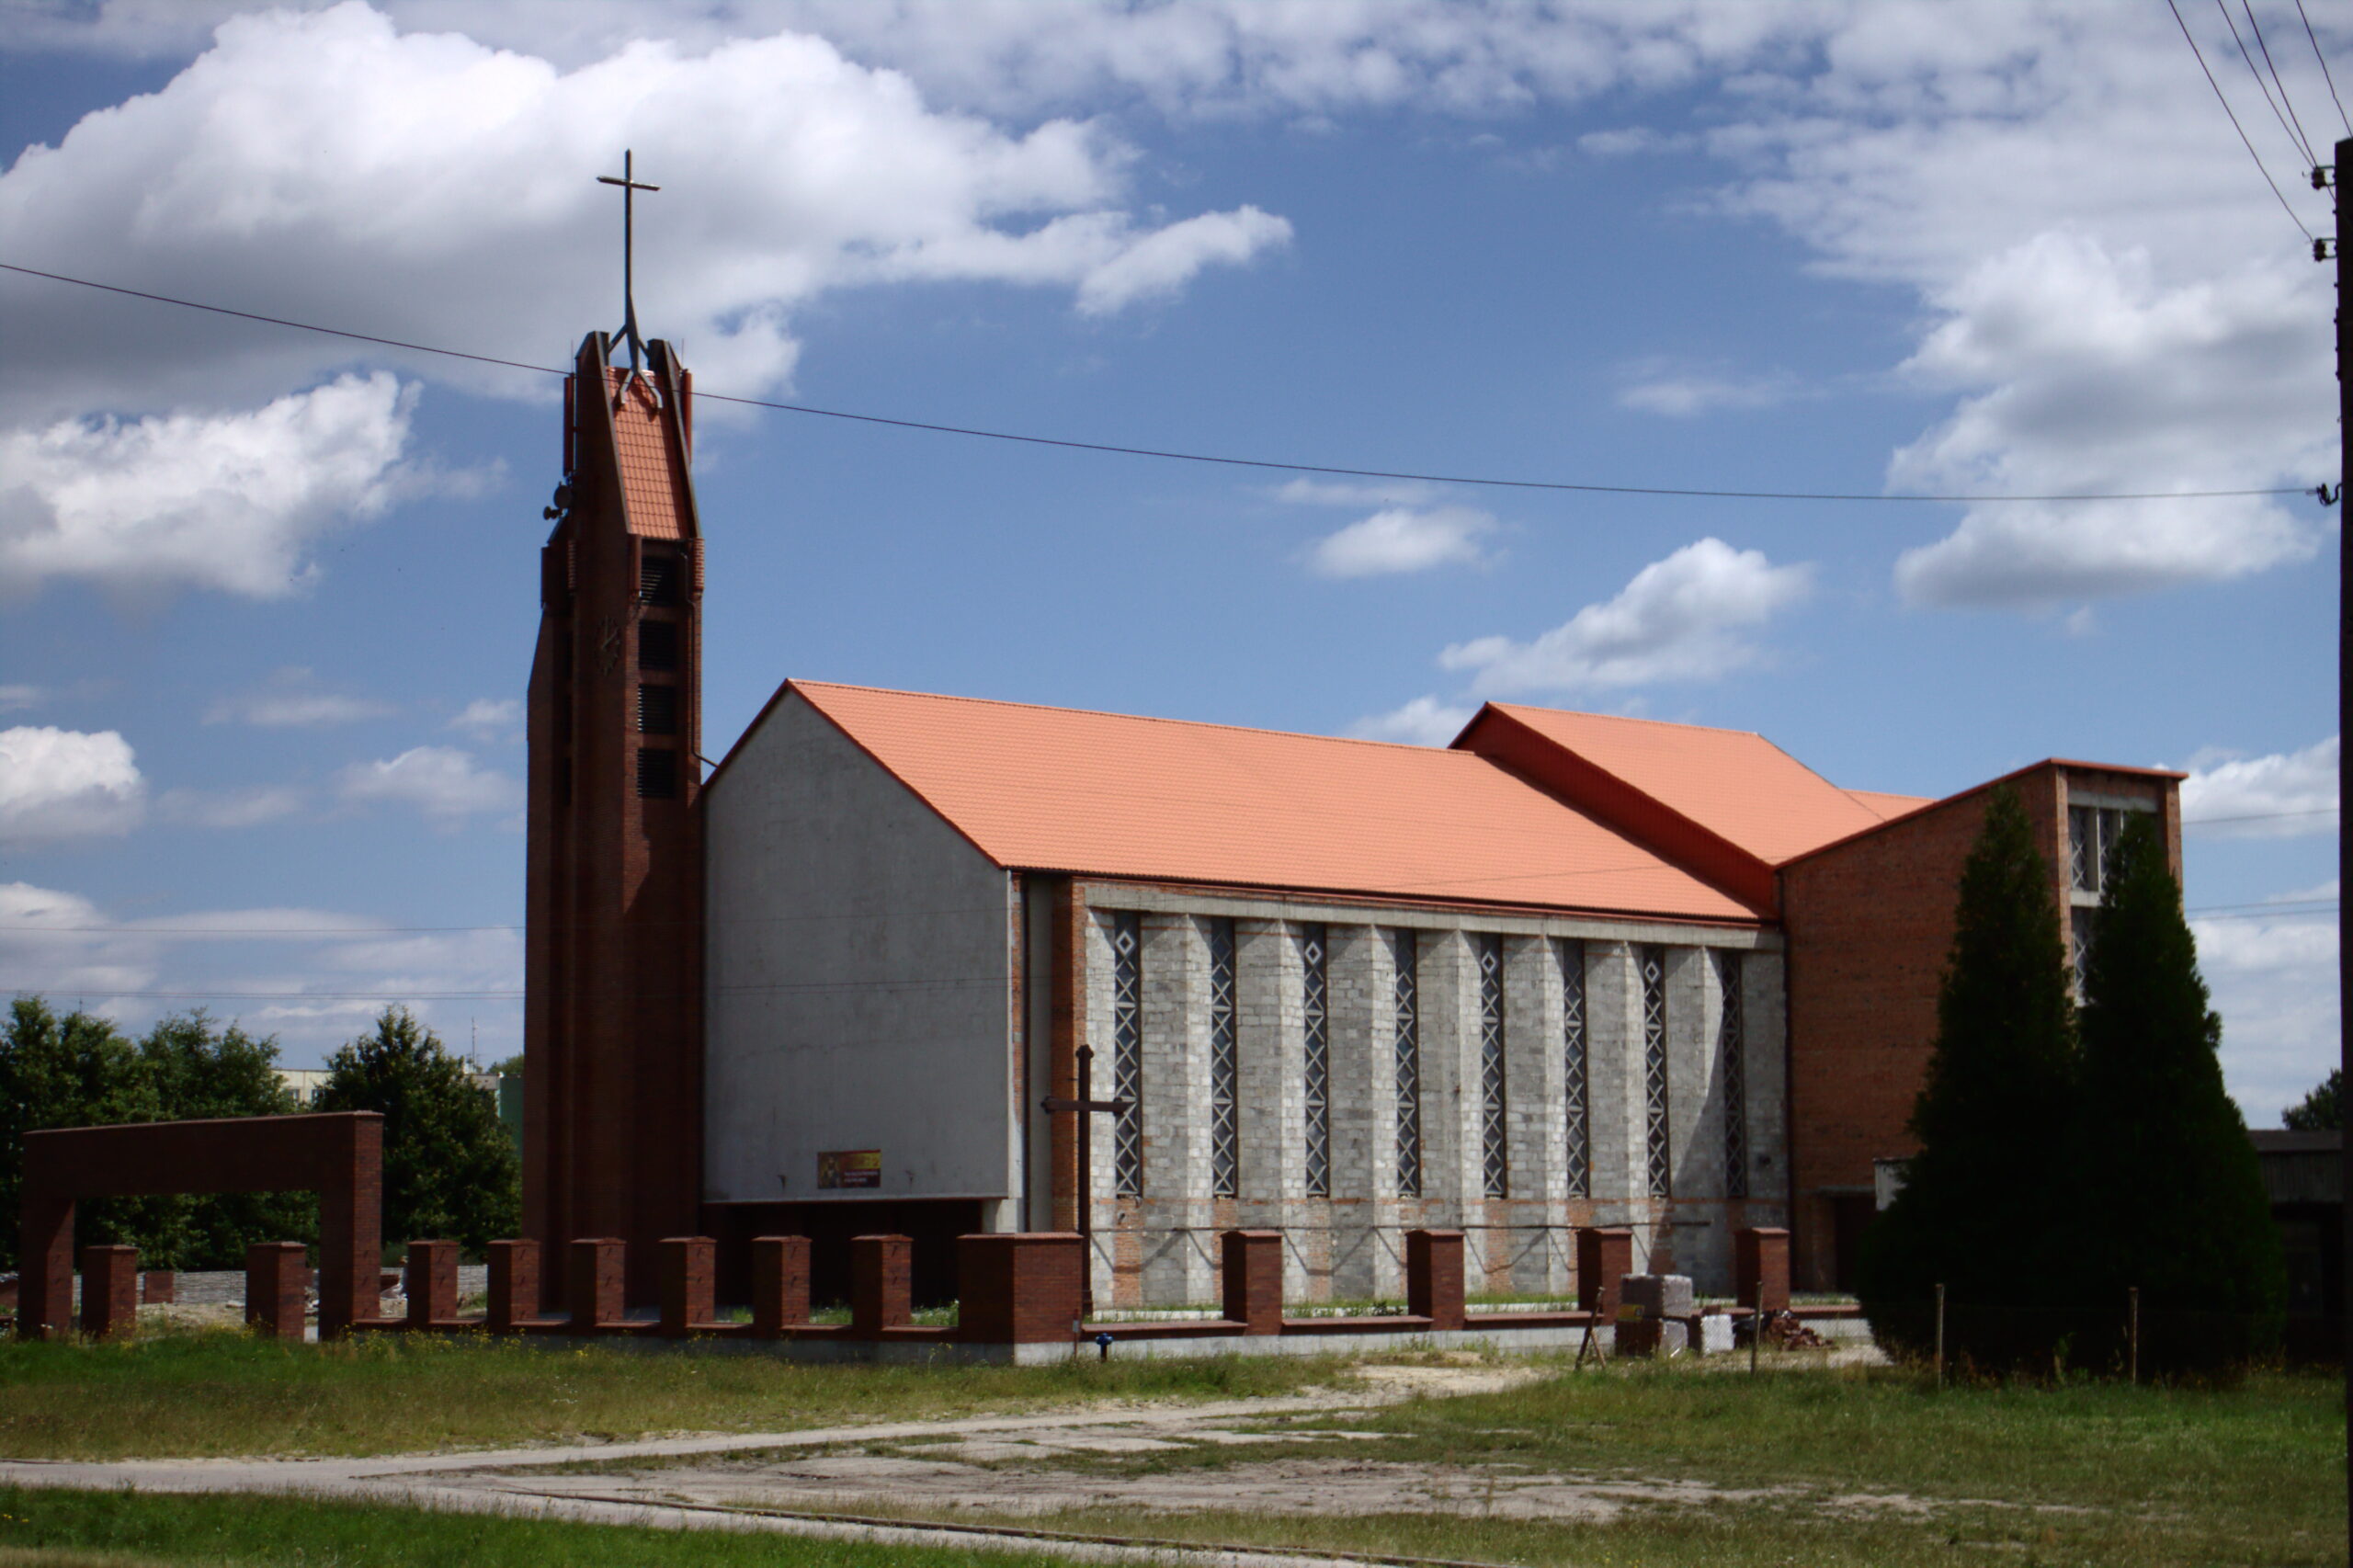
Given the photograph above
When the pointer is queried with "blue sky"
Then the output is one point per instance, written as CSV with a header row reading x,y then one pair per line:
x,y
270,598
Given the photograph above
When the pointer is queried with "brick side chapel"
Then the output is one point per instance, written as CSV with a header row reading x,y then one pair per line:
x,y
1571,979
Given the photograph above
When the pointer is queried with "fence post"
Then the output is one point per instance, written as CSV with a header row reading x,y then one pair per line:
x,y
2133,1333
1940,1336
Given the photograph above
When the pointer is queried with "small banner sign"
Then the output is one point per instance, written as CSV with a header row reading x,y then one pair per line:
x,y
849,1167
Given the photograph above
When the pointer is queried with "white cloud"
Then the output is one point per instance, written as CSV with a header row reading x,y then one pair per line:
x,y
326,165
14,699
2274,982
1655,386
490,718
440,781
1683,619
229,502
295,699
2084,375
314,977
1162,262
1355,493
2285,795
1423,721
251,806
66,784
1403,539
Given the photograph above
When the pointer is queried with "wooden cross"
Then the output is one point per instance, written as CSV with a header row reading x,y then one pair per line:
x,y
1088,1110
630,185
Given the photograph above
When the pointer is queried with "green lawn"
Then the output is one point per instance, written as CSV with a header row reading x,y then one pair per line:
x,y
1865,1467
113,1529
172,1394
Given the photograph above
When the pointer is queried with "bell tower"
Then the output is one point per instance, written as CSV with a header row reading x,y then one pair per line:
x,y
612,1124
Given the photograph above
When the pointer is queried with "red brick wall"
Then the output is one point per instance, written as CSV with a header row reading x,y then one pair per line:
x,y
1433,1276
881,1284
1870,927
1251,1273
1019,1288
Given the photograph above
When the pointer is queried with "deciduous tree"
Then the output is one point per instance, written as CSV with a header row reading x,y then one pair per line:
x,y
450,1166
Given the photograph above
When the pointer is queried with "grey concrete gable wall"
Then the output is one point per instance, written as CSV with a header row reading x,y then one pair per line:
x,y
857,989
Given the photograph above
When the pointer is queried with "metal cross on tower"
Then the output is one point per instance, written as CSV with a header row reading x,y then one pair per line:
x,y
629,188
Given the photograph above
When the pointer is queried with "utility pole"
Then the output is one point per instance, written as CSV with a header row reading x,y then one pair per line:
x,y
2333,177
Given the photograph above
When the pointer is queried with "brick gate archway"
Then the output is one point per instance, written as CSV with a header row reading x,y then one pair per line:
x,y
338,1154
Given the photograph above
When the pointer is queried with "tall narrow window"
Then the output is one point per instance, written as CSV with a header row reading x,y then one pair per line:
x,y
657,645
2083,925
1127,1052
1732,1072
2092,832
1578,1127
1654,1125
1225,1067
1406,1016
657,709
1494,1131
657,578
657,774
1316,1028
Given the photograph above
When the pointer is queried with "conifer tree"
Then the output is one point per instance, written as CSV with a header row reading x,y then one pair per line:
x,y
2168,1195
1981,1197
450,1166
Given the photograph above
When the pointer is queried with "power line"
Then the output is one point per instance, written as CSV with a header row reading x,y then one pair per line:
x,y
2223,99
1167,455
2288,120
2262,816
2324,68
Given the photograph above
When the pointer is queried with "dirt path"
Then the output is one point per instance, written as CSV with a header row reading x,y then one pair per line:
x,y
705,1481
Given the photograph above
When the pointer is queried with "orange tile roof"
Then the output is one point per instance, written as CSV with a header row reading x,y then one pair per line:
x,y
1736,784
1887,807
1109,795
652,476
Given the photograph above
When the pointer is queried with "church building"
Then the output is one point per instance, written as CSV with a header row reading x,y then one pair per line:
x,y
930,964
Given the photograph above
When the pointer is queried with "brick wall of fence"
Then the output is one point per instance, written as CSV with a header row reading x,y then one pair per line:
x,y
1020,1299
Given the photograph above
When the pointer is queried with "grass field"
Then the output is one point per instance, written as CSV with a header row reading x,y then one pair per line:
x,y
1693,1465
203,1393
1861,1466
111,1529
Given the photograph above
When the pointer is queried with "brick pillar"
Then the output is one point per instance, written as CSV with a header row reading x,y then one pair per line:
x,y
779,1284
881,1283
351,1219
45,1289
1605,1256
1018,1288
513,1285
110,1290
276,1278
159,1287
1433,1276
1254,1279
1761,1267
431,1281
688,1302
594,1281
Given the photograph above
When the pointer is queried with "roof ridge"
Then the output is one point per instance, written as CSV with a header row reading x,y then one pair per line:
x,y
1135,718
1638,719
